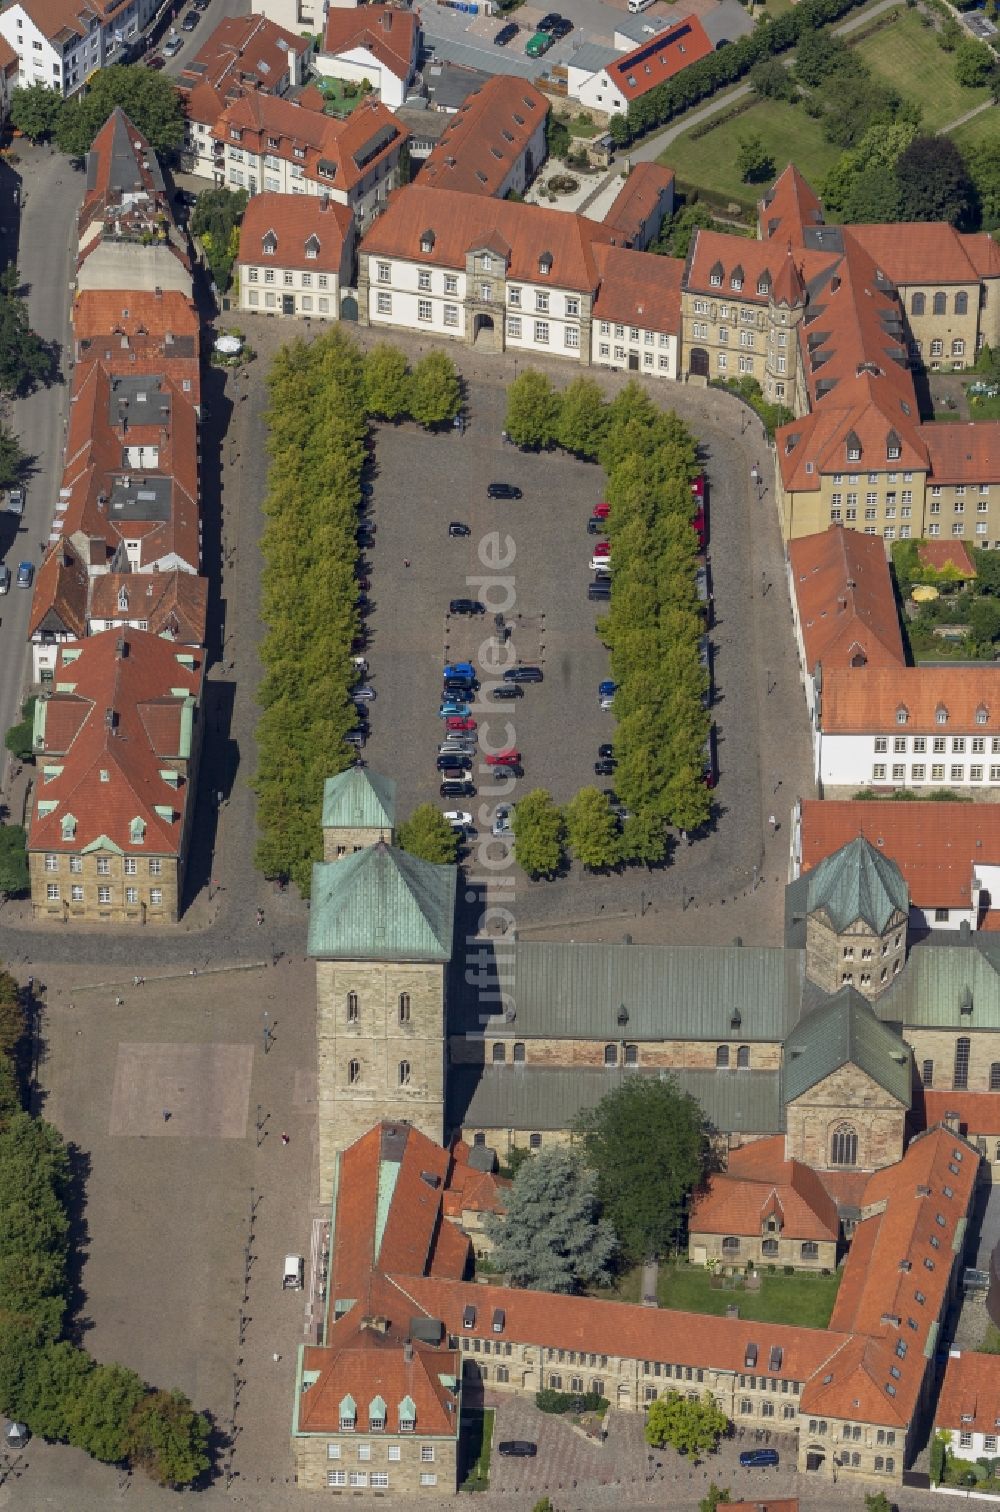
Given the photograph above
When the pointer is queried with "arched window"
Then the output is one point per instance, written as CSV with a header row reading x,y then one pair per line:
x,y
995,1077
940,304
743,1057
927,1073
769,1249
917,303
534,1141
479,1139
611,1055
961,303
404,1007
353,1072
518,1051
404,1073
844,1146
961,1077
499,1053
722,1058
352,1007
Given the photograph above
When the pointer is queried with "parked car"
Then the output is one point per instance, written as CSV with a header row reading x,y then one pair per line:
x,y
454,763
602,549
504,758
548,21
456,748
709,767
518,1448
459,669
605,767
600,588
292,1271
501,821
172,46
25,574
698,521
456,528
466,606
15,501
452,706
365,692
463,686
156,60
366,534
602,510
562,28
507,691
505,771
457,787
458,818
506,34
607,689
600,563
459,722
523,674
757,1457
605,750
4,578
503,491
190,21
595,526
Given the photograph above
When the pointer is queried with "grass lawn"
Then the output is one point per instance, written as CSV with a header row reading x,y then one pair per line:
x,y
478,1433
804,1299
983,127
709,161
906,56
578,127
337,102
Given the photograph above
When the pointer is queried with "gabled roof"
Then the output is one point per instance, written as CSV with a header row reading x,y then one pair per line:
x,y
242,54
929,252
382,904
462,223
119,715
59,599
756,265
947,986
944,555
123,174
970,1393
486,137
846,606
936,846
310,231
963,453
857,882
759,1181
172,604
639,196
658,59
389,34
871,699
335,152
638,288
359,799
845,1031
789,206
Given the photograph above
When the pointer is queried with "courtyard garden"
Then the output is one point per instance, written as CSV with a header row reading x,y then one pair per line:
x,y
952,612
767,1298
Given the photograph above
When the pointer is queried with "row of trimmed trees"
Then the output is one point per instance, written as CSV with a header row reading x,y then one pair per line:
x,y
47,1381
653,627
321,395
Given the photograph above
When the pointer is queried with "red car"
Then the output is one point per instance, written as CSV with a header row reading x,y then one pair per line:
x,y
601,511
602,549
698,521
459,722
698,486
504,758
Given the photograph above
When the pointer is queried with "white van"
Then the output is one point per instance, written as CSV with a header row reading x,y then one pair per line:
x,y
291,1279
635,6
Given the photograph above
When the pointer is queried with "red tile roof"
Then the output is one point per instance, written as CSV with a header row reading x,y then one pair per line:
x,y
646,186
929,252
978,1112
761,1183
118,714
8,57
486,137
302,224
59,598
747,268
638,288
389,34
124,182
520,233
967,453
970,1393
653,62
173,604
243,54
103,315
937,846
789,207
846,606
942,555
868,699
348,150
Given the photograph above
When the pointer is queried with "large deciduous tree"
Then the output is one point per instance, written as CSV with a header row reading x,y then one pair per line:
x,y
168,1439
552,1236
582,418
934,182
533,410
36,111
387,382
149,99
648,1143
435,390
592,830
428,834
25,360
692,1428
216,222
539,833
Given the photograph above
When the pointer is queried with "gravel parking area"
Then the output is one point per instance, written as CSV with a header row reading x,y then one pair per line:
x,y
527,559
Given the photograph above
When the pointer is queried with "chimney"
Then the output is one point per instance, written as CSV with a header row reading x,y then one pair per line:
x,y
408,1352
158,292
121,649
953,1122
376,1324
110,719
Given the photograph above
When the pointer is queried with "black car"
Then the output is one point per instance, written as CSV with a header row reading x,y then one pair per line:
x,y
562,28
508,690
548,22
503,491
190,20
523,674
506,34
518,1448
605,750
461,685
457,787
456,528
466,606
600,588
453,762
506,771
605,767
596,527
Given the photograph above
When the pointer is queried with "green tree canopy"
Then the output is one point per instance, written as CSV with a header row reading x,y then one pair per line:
x,y
644,837
387,382
934,182
692,1428
753,161
975,64
592,829
771,80
99,1413
552,1236
215,222
648,1143
435,390
11,458
582,418
168,1439
714,1497
428,834
13,860
36,111
149,99
539,832
533,410
25,360
676,232
984,618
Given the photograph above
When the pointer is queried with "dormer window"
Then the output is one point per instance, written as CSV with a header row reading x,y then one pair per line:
x,y
312,247
893,447
68,827
764,285
902,714
407,1415
982,715
348,1414
235,133
545,264
376,1415
123,600
299,152
270,244
274,141
715,275
427,241
736,278
137,831
941,714
853,447
487,263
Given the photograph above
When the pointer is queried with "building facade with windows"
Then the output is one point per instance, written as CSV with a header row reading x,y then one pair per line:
x,y
296,255
60,45
968,1408
764,1210
117,742
379,44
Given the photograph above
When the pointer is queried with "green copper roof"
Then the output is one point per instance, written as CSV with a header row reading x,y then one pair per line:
x,y
357,799
381,904
845,1030
857,882
948,986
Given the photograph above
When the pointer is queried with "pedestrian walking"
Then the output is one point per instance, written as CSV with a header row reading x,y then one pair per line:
x,y
284,1139
135,981
260,917
166,1115
773,823
406,561
684,836
277,1357
119,1002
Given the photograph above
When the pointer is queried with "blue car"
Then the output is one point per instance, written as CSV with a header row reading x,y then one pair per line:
x,y
607,689
756,1458
452,706
460,669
